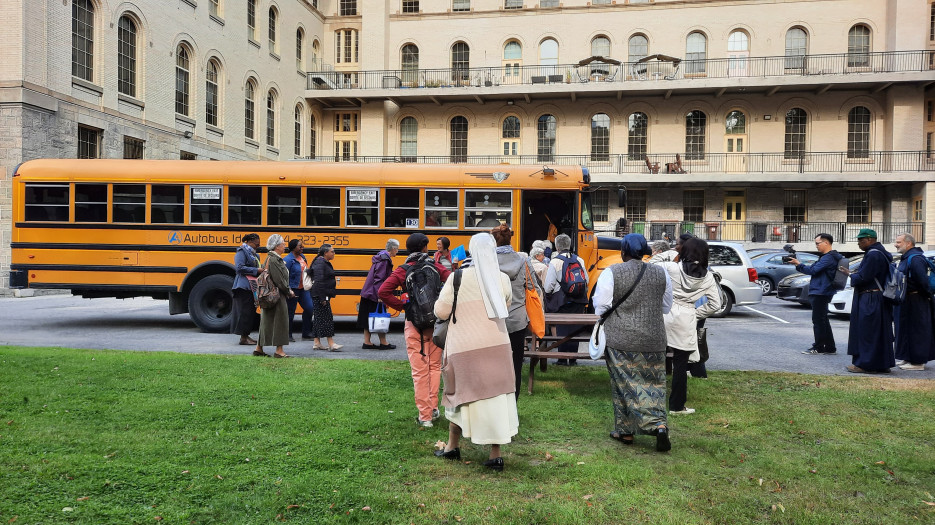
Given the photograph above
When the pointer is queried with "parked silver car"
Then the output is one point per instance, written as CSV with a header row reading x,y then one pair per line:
x,y
738,276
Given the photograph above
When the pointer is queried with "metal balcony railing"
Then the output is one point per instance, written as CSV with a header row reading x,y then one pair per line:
x,y
614,71
663,164
768,231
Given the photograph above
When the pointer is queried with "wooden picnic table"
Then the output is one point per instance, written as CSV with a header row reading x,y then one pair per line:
x,y
539,351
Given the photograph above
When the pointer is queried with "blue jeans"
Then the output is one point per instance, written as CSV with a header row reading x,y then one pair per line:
x,y
305,299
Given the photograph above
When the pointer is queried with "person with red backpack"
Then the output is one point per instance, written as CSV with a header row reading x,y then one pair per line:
x,y
566,288
421,279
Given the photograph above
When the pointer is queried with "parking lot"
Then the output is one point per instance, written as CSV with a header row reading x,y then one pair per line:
x,y
769,336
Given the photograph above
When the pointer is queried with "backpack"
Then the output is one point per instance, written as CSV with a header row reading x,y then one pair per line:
x,y
895,287
839,280
423,283
574,280
267,294
930,271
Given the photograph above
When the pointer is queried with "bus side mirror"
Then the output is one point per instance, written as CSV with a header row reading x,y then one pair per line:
x,y
622,198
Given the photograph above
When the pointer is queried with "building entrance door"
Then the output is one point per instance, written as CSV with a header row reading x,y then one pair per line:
x,y
735,147
734,213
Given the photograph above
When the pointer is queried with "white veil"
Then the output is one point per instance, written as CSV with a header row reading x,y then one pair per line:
x,y
484,261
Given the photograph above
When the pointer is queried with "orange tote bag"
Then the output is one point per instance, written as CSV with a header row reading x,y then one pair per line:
x,y
534,309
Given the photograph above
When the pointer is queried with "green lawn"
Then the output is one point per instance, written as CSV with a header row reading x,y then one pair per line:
x,y
124,437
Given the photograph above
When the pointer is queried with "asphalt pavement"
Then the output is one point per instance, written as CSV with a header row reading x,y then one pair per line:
x,y
769,336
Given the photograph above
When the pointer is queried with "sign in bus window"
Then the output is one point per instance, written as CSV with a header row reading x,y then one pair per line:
x,y
129,203
284,206
244,204
205,205
324,207
90,203
441,208
402,208
168,204
487,209
46,202
363,205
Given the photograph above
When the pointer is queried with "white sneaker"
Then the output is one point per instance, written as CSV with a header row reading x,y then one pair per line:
x,y
425,424
900,362
910,366
685,411
435,414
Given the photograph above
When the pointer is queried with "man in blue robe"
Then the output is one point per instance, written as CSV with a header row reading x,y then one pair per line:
x,y
870,340
915,343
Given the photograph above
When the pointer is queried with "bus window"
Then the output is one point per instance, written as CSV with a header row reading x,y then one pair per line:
x,y
324,207
284,206
90,203
46,202
244,205
402,208
587,217
206,205
363,206
487,209
129,203
441,208
168,204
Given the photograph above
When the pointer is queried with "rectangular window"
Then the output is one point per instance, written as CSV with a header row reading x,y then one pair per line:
x,y
441,208
46,202
82,40
460,5
187,155
206,204
487,209
251,19
917,214
928,145
513,4
636,205
932,21
794,205
345,150
133,148
168,204
929,109
363,207
323,207
599,205
89,143
283,206
348,7
410,6
244,205
214,8
693,205
90,203
858,206
129,203
345,122
401,208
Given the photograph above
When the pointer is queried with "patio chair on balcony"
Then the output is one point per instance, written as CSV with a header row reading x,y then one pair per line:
x,y
653,167
675,167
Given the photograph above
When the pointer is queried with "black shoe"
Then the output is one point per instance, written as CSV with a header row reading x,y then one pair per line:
x,y
494,464
561,362
453,454
291,339
307,338
662,440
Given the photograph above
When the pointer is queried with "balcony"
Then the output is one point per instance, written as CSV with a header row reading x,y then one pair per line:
x,y
769,231
754,74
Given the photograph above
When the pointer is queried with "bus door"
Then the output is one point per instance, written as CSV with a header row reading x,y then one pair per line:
x,y
544,211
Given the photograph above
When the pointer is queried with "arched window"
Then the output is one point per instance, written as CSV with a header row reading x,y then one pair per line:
x,y
212,100
312,137
410,63
509,135
299,49
249,103
738,49
796,48
271,119
545,138
82,39
460,61
696,52
297,140
126,56
696,126
858,46
182,78
548,52
795,139
273,21
459,139
409,139
600,137
512,59
600,47
316,52
637,47
858,133
637,134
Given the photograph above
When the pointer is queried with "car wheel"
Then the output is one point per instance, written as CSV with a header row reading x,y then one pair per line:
x,y
727,304
210,301
767,285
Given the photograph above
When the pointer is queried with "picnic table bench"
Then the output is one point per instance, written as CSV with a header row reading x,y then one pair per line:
x,y
539,351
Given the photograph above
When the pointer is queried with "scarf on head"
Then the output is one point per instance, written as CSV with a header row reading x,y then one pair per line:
x,y
487,269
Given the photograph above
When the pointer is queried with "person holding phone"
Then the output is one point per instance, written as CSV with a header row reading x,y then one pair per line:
x,y
820,292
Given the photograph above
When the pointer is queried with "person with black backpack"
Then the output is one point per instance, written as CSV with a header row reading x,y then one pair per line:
x,y
820,291
421,280
566,289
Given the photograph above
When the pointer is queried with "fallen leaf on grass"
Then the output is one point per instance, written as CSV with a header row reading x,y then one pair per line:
x,y
10,422
539,495
218,476
11,520
587,497
813,471
458,518
761,482
421,505
67,509
932,503
292,507
549,457
112,454
365,508
158,518
84,498
881,463
580,463
184,472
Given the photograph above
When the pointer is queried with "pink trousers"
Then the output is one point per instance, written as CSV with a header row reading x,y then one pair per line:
x,y
426,369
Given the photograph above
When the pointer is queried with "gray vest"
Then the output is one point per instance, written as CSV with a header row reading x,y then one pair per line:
x,y
637,324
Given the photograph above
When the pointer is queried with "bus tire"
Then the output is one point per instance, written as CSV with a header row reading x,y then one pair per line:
x,y
210,301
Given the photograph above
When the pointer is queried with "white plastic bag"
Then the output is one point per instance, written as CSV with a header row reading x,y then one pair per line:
x,y
597,342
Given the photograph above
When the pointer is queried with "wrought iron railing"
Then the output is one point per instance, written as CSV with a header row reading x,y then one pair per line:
x,y
768,231
603,72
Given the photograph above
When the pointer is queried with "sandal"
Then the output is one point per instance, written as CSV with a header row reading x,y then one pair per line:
x,y
281,356
260,354
626,439
334,348
319,347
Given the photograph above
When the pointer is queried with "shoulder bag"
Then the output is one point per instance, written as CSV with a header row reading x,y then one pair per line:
x,y
598,341
534,309
440,332
307,281
379,320
267,293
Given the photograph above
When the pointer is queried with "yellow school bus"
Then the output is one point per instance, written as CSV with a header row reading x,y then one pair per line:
x,y
169,229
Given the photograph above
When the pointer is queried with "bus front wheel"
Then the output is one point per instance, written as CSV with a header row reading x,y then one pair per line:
x,y
209,303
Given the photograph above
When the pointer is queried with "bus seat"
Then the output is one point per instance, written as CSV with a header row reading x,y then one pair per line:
x,y
233,217
157,215
359,219
121,215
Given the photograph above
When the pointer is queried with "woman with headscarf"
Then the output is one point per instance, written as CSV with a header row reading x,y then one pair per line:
x,y
636,344
274,321
691,281
323,290
479,390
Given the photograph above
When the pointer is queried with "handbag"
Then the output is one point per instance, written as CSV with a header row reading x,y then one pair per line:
x,y
703,344
598,340
267,293
379,320
440,331
307,281
534,309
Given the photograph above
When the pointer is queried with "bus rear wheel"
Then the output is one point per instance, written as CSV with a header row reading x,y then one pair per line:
x,y
210,301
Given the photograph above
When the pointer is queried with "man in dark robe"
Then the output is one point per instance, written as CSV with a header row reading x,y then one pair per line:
x,y
870,341
915,344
